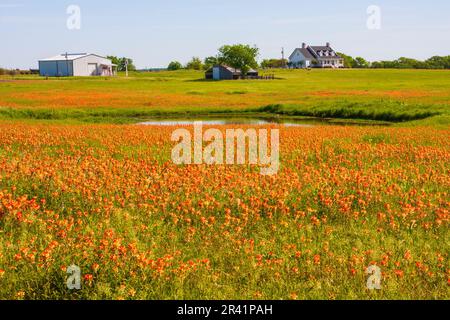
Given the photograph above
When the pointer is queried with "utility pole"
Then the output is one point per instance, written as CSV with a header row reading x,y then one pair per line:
x,y
282,57
67,63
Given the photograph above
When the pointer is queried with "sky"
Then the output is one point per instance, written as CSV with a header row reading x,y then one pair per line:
x,y
155,32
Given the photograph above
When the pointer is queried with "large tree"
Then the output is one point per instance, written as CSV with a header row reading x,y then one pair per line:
x,y
239,56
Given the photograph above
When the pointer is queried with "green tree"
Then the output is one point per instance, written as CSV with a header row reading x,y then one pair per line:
x,y
174,65
349,62
195,64
209,62
274,63
265,64
114,59
131,66
360,62
408,63
377,65
120,62
239,56
438,62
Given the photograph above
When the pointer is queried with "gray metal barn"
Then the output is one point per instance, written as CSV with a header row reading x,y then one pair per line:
x,y
76,64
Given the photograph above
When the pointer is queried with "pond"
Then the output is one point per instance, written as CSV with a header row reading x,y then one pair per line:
x,y
283,121
221,122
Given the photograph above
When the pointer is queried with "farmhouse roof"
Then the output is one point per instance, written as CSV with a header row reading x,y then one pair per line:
x,y
305,52
317,52
323,49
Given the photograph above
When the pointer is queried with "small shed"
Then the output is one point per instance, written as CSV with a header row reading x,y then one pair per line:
x,y
252,73
224,72
76,65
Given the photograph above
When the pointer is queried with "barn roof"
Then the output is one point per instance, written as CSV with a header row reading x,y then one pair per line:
x,y
70,56
230,69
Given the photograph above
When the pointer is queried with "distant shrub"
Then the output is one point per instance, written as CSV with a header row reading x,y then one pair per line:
x,y
195,64
174,65
13,72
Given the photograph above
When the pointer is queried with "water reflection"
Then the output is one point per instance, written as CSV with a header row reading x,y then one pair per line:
x,y
223,122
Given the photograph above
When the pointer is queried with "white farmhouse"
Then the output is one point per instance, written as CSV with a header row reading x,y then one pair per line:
x,y
76,64
315,57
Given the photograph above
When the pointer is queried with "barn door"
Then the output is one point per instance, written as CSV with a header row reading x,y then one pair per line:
x,y
216,73
92,69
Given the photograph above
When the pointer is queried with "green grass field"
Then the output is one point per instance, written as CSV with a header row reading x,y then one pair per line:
x,y
422,96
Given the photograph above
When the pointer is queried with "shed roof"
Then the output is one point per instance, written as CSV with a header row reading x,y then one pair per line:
x,y
230,69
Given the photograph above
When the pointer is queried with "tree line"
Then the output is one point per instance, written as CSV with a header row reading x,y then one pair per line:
x,y
15,72
244,56
436,62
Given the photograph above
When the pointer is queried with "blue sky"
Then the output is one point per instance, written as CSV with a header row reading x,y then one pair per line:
x,y
155,32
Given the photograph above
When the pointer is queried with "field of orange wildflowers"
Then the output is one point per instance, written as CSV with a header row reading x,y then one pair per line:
x,y
108,199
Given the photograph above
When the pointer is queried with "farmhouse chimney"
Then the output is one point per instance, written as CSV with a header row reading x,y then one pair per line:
x,y
328,44
303,45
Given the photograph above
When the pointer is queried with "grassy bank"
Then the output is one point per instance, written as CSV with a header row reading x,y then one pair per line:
x,y
393,113
339,111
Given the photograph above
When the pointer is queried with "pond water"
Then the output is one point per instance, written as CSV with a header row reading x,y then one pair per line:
x,y
232,121
287,122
